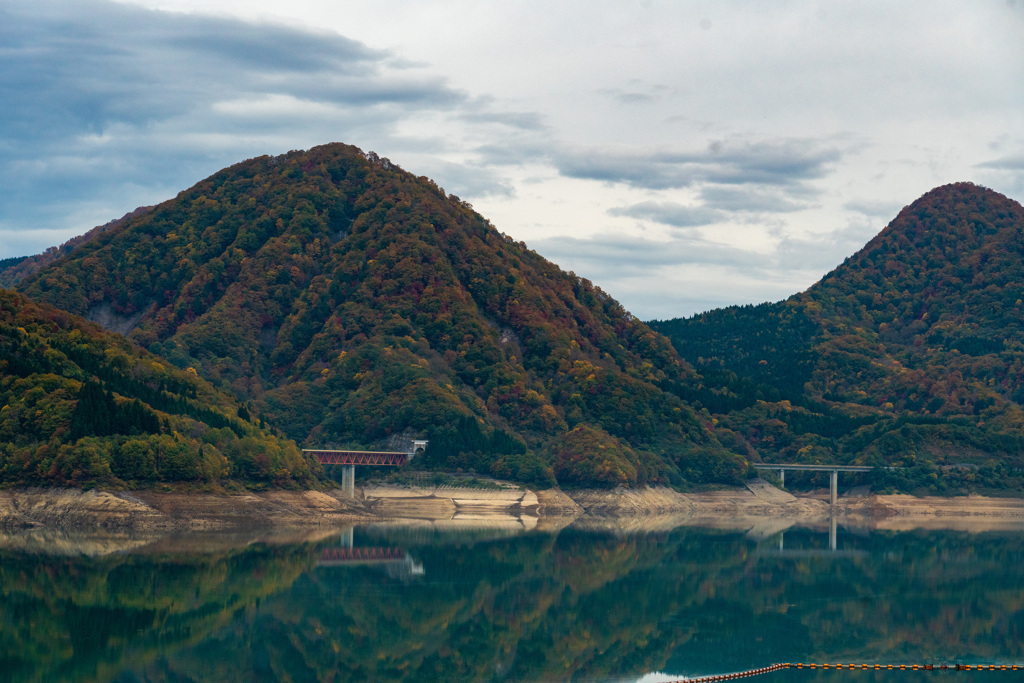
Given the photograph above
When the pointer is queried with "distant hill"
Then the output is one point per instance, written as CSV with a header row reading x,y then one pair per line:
x,y
14,270
80,406
910,353
8,263
349,301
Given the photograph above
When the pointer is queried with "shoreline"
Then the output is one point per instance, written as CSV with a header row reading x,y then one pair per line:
x,y
758,509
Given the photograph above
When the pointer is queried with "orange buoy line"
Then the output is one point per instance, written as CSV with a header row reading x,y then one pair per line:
x,y
849,667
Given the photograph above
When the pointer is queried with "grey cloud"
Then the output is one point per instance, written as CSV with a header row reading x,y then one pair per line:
x,y
650,277
874,209
1009,163
637,93
617,254
628,96
634,97
670,213
1004,174
655,279
529,121
263,47
825,252
717,204
104,63
786,163
634,170
467,180
749,199
612,255
105,99
529,149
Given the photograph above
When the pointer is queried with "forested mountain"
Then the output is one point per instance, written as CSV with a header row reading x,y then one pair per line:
x,y
80,406
911,352
14,270
348,300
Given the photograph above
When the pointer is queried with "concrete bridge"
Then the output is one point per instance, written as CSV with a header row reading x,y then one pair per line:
x,y
833,470
349,459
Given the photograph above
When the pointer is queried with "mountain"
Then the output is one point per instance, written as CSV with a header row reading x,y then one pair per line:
x,y
14,270
910,353
348,301
80,406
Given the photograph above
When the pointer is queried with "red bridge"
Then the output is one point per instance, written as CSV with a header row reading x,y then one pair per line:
x,y
352,458
395,562
358,457
361,555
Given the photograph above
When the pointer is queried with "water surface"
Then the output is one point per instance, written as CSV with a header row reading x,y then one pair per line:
x,y
383,603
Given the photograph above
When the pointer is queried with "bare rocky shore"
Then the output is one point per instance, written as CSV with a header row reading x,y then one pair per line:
x,y
151,510
761,506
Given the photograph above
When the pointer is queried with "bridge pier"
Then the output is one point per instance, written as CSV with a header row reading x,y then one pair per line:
x,y
349,459
833,471
348,480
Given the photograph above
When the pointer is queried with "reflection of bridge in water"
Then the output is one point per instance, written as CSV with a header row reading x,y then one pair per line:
x,y
396,562
833,549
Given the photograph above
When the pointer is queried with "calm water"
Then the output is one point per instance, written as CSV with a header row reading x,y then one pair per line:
x,y
405,604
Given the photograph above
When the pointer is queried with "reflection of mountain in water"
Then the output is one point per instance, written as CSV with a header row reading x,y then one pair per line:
x,y
570,606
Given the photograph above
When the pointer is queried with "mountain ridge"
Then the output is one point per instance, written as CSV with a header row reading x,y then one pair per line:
x,y
910,350
346,300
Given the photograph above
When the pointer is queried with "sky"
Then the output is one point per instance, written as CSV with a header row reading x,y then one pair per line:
x,y
682,155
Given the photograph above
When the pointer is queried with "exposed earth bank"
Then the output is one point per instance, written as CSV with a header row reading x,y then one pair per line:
x,y
761,507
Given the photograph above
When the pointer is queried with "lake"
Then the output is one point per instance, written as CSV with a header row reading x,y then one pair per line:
x,y
419,603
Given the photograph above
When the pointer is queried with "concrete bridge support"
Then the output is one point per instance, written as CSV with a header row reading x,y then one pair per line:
x,y
348,480
833,535
833,471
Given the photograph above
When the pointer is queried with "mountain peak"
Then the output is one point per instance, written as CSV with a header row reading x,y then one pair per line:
x,y
909,352
350,300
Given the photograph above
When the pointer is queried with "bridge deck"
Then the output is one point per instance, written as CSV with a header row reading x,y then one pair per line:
x,y
833,470
811,468
362,555
327,457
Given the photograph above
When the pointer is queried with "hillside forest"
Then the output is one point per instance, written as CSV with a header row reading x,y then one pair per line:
x,y
329,298
346,301
83,407
909,354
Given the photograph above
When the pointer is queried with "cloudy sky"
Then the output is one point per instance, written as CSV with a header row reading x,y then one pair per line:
x,y
682,155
